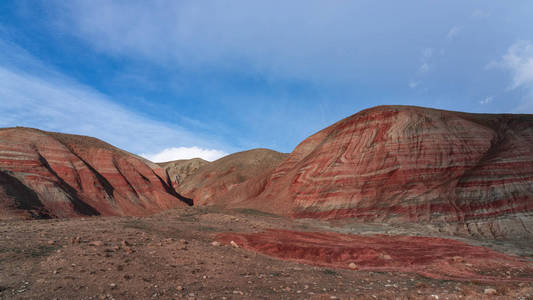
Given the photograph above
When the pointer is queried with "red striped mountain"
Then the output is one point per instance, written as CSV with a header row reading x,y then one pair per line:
x,y
401,164
210,183
45,174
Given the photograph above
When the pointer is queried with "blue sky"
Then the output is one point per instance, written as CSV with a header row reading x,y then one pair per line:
x,y
175,79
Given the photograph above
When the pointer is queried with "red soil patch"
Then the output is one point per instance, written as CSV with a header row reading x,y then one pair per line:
x,y
432,257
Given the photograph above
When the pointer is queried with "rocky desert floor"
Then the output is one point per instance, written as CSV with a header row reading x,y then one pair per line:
x,y
188,254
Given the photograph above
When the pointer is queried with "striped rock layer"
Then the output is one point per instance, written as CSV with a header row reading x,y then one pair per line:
x,y
44,174
178,170
213,182
400,164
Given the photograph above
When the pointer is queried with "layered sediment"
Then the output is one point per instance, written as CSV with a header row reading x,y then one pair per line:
x,y
45,174
468,173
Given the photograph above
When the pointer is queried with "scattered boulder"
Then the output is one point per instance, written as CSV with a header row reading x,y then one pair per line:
x,y
96,243
490,291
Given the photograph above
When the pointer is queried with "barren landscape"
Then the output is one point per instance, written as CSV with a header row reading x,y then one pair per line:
x,y
186,253
392,202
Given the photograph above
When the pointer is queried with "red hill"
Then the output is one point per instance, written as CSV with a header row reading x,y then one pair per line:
x,y
401,164
213,182
45,174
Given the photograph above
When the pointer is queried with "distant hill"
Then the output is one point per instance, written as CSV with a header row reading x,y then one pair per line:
x,y
178,170
211,182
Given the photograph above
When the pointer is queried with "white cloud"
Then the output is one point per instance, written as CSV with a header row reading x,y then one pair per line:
x,y
318,41
519,62
426,55
170,154
424,68
413,84
454,31
42,98
486,100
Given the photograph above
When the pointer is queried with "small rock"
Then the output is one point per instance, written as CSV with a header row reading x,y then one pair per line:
x,y
96,243
457,259
215,243
183,241
387,257
179,288
125,243
113,286
234,244
352,266
490,291
50,242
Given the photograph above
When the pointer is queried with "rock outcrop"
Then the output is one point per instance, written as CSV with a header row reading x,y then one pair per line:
x,y
45,174
211,183
467,173
178,170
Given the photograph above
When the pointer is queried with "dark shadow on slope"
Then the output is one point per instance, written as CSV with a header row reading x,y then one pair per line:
x,y
79,205
108,187
169,189
24,197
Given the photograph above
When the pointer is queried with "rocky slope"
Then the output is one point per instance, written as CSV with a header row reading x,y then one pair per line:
x,y
45,174
178,170
210,184
468,173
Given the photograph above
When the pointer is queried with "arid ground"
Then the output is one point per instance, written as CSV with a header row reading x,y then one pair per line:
x,y
184,253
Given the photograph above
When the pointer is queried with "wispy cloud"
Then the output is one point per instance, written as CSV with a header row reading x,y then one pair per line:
x,y
42,98
424,68
427,54
486,100
413,83
311,40
518,62
453,32
185,153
